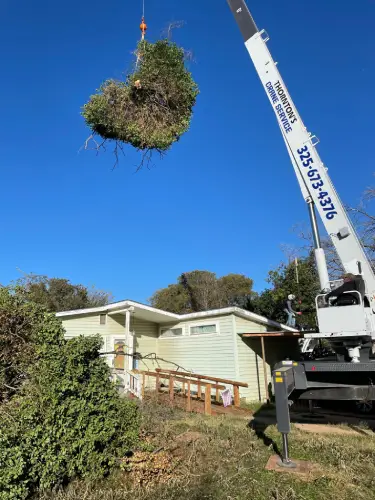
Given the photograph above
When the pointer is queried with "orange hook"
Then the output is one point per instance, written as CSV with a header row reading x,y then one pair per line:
x,y
143,26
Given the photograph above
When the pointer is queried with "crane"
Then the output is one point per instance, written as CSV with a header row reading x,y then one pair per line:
x,y
345,312
350,327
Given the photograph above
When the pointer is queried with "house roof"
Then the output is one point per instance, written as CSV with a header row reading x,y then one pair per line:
x,y
148,313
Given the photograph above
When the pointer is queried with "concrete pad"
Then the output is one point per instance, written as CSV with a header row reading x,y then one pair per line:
x,y
325,429
303,468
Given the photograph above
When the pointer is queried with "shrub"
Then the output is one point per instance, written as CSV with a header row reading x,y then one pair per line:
x,y
67,419
153,108
23,327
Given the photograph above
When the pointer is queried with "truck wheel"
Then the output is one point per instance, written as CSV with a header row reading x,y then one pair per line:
x,y
364,406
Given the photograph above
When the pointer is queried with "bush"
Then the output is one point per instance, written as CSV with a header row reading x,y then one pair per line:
x,y
153,108
67,419
24,327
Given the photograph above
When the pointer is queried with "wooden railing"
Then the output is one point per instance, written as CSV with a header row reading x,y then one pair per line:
x,y
192,379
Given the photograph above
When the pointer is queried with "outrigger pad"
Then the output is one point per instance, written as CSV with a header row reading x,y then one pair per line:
x,y
302,467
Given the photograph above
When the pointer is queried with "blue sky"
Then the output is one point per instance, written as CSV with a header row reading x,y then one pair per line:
x,y
225,197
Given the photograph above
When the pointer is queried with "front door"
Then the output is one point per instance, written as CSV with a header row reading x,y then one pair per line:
x,y
120,351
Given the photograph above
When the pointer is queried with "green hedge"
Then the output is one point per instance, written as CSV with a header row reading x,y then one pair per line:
x,y
67,419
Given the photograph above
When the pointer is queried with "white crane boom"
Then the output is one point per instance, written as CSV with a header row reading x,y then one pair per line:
x,y
312,175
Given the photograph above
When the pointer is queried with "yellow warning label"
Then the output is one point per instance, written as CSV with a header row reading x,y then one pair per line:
x,y
278,379
278,373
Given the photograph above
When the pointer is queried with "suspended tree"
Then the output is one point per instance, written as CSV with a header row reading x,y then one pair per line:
x,y
151,109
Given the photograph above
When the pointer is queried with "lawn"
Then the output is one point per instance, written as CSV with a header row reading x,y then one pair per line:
x,y
192,457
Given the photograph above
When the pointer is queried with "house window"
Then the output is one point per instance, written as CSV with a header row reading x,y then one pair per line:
x,y
166,333
203,329
103,319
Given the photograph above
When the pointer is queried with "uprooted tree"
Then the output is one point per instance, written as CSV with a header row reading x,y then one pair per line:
x,y
151,109
60,415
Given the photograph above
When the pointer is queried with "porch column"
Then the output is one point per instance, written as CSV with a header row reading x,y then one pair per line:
x,y
129,337
129,340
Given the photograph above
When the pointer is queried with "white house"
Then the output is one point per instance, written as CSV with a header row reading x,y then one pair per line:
x,y
209,342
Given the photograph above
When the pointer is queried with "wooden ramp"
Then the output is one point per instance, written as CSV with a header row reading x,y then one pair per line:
x,y
195,392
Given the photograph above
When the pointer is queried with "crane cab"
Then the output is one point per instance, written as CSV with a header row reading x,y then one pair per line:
x,y
346,319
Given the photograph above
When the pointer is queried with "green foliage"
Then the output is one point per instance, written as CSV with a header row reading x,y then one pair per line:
x,y
153,108
66,418
270,303
173,298
58,294
201,287
24,326
235,289
201,291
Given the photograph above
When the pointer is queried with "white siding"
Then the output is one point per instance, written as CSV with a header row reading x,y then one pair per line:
x,y
250,361
89,325
146,336
207,354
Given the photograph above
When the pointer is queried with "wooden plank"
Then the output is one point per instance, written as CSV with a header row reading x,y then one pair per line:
x,y
180,379
188,402
236,396
217,395
157,383
171,389
207,400
183,388
203,377
199,389
264,369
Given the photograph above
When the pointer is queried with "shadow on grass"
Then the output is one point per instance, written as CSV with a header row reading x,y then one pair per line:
x,y
262,418
304,413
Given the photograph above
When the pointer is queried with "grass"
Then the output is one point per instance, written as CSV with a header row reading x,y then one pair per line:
x,y
227,462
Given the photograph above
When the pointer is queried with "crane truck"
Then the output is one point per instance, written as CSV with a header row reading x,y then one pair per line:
x,y
345,313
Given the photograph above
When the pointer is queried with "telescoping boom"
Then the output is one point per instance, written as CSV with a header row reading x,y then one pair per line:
x,y
311,173
315,183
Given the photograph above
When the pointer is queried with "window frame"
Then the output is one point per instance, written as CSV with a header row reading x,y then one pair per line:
x,y
101,315
182,327
204,323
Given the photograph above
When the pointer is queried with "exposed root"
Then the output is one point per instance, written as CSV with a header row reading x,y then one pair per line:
x,y
147,156
168,31
91,144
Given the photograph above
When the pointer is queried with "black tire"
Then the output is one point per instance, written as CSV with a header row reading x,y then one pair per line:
x,y
364,406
